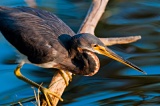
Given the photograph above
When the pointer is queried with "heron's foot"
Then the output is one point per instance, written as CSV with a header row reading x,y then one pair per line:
x,y
48,96
46,92
63,74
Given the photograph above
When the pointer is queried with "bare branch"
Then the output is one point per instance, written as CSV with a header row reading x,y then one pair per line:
x,y
96,10
119,40
57,84
31,3
93,16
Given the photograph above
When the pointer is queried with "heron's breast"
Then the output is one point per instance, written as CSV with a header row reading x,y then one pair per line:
x,y
93,64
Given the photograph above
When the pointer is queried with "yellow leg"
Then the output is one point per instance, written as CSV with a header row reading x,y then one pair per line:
x,y
64,77
45,91
70,76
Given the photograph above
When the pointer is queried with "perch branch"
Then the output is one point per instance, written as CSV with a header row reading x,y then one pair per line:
x,y
93,16
96,10
120,40
31,3
57,84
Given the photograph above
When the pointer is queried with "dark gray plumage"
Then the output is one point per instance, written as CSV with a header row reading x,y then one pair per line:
x,y
43,37
32,32
45,41
50,43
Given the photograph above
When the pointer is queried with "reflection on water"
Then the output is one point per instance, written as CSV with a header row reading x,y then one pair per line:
x,y
115,84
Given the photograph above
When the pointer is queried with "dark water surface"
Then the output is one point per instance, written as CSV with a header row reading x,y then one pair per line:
x,y
115,84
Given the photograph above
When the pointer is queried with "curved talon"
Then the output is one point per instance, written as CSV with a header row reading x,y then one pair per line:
x,y
47,91
70,76
47,94
64,77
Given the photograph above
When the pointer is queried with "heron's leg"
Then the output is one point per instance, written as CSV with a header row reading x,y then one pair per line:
x,y
44,90
63,74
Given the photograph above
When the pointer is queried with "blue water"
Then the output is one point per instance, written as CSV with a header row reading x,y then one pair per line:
x,y
114,84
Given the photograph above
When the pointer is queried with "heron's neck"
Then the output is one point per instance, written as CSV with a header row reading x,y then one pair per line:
x,y
86,63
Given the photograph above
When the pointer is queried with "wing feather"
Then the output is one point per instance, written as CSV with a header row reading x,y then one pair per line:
x,y
34,33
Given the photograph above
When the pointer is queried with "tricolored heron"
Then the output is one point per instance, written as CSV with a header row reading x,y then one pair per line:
x,y
44,40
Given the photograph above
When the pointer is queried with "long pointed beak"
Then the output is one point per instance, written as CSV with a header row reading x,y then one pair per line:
x,y
109,53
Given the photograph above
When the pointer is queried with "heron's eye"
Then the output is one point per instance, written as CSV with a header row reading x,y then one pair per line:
x,y
95,45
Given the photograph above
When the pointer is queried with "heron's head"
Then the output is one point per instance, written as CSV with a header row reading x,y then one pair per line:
x,y
88,42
